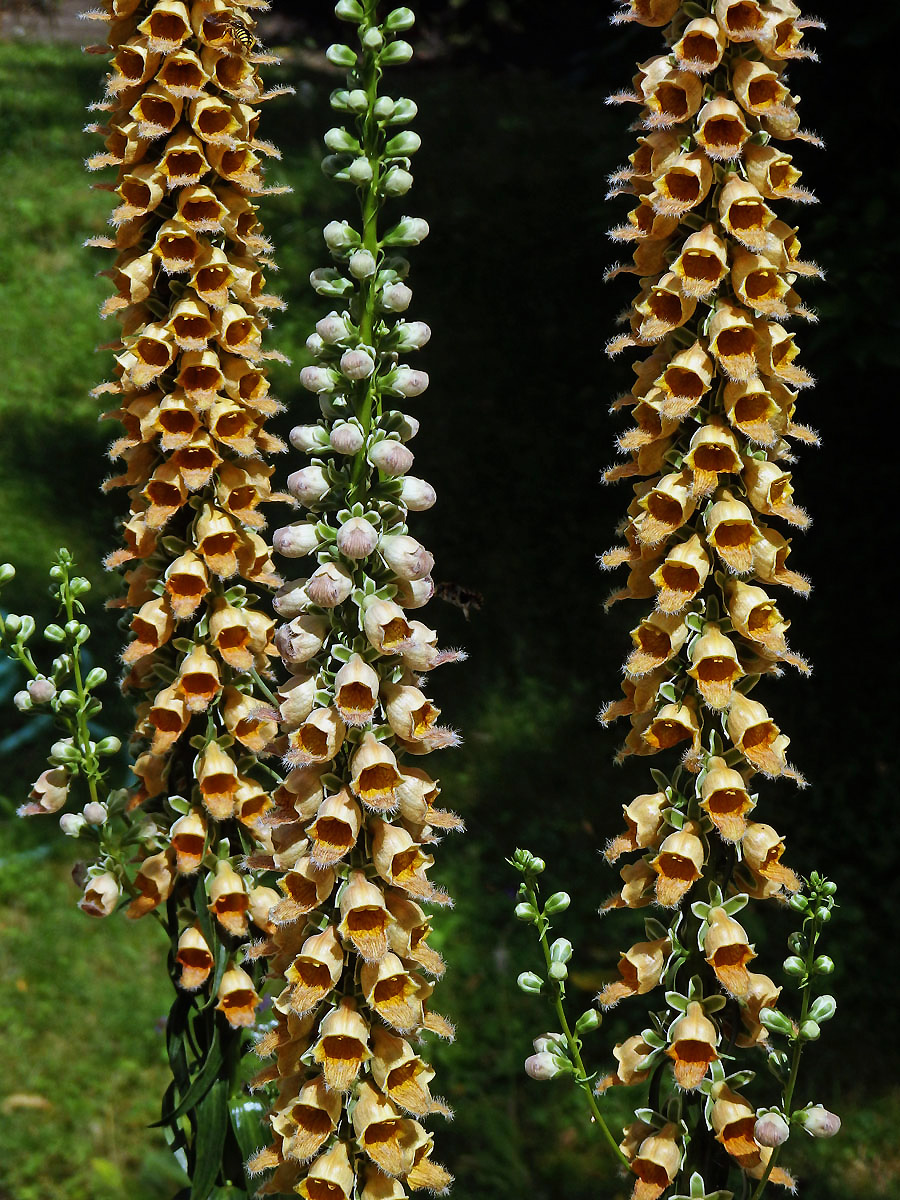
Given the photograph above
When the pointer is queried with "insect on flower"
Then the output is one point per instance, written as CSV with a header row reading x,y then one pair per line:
x,y
241,34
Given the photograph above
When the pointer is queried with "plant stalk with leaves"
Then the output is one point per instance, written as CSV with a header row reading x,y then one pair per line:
x,y
355,820
713,411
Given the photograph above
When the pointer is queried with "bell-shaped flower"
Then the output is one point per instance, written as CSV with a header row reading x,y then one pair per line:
x,y
693,1038
640,969
727,951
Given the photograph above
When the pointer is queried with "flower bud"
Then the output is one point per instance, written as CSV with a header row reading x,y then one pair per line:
x,y
558,902
362,264
357,364
291,599
417,494
72,823
404,381
541,1066
22,701
818,1121
347,438
412,335
414,593
308,438
109,745
330,585
406,557
529,982
526,912
41,690
396,297
319,379
410,231
396,182
301,638
95,813
308,485
360,172
357,538
332,329
339,235
341,142
771,1129
823,965
314,344
393,458
558,971
294,541
405,143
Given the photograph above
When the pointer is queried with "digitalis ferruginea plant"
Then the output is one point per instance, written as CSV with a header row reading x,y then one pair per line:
x,y
356,819
712,186
181,112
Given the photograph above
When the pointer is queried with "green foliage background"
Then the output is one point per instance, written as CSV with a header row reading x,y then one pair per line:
x,y
515,431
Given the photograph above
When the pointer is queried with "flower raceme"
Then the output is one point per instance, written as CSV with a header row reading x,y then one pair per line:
x,y
713,423
353,825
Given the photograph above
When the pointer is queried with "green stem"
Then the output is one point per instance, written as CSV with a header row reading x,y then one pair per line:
x,y
82,732
574,1045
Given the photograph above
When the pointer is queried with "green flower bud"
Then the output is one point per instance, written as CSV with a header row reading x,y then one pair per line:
x,y
809,1031
341,142
341,56
395,54
360,172
403,144
349,10
558,902
823,1009
529,982
64,751
53,633
561,950
404,111
799,903
558,971
7,572
794,967
396,182
95,677
109,745
12,623
22,701
373,39
26,628
79,585
526,913
68,699
340,235
823,965
410,231
400,20
588,1021
775,1021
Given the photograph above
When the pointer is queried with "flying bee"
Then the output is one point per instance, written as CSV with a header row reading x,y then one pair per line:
x,y
240,34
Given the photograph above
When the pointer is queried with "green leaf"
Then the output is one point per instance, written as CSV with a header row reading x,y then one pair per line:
x,y
212,1125
248,1122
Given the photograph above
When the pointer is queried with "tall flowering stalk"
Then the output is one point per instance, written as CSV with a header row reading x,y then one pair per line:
x,y
181,112
713,412
356,818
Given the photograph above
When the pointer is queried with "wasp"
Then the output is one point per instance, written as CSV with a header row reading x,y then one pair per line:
x,y
460,597
241,34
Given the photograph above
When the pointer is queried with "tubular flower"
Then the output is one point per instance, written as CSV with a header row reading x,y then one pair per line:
x,y
712,426
353,824
182,104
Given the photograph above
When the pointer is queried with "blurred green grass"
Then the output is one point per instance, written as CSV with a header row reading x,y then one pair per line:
x,y
509,283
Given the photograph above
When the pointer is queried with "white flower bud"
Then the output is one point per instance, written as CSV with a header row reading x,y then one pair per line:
x,y
409,427
771,1129
319,379
362,264
291,599
308,438
413,335
818,1121
417,494
541,1066
293,541
308,485
407,382
357,364
72,823
330,585
360,171
396,182
547,1042
41,690
332,329
414,593
347,438
406,557
22,701
393,458
95,812
408,232
357,538
396,297
340,236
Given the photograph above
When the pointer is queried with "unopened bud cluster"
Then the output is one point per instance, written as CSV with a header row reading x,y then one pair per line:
x,y
355,821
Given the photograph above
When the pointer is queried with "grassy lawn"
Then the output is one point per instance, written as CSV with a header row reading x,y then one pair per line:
x,y
81,1001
